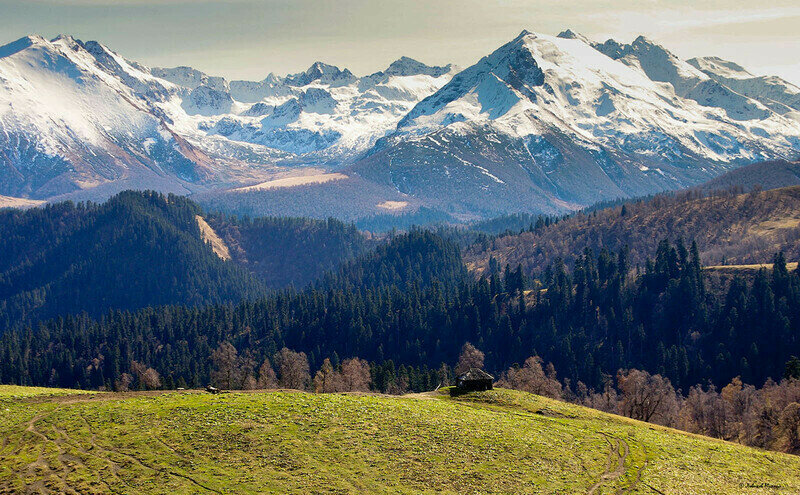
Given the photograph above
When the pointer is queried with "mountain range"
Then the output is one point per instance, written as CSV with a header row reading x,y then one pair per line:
x,y
543,124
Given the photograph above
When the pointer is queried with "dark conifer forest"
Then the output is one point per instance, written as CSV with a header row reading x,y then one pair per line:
x,y
411,302
145,249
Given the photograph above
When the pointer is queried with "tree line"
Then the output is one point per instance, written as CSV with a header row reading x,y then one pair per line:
x,y
724,225
766,417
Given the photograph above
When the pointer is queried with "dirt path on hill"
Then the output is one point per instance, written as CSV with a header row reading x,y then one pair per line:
x,y
615,465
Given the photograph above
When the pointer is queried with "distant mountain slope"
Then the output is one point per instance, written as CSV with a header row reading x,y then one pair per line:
x,y
12,202
742,229
766,175
688,82
323,115
75,116
779,95
546,124
145,249
283,251
348,199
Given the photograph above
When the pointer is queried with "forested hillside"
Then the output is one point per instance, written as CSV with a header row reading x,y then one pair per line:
x,y
144,249
417,259
728,228
284,251
588,321
136,250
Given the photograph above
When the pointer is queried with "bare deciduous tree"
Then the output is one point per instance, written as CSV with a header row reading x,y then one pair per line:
x,y
355,375
533,378
266,376
646,397
327,379
470,357
151,379
789,428
293,369
231,370
147,378
123,384
226,373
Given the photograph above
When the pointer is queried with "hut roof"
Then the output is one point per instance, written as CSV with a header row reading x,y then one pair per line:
x,y
475,374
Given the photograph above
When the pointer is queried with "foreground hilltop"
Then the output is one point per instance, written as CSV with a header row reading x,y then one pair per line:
x,y
289,442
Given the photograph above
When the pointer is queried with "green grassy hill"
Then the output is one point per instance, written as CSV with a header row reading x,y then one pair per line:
x,y
290,442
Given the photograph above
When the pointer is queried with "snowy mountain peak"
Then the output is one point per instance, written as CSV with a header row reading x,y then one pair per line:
x,y
21,44
406,66
321,72
560,117
64,38
569,34
720,67
778,95
190,78
643,40
68,40
491,87
271,78
641,48
661,65
565,110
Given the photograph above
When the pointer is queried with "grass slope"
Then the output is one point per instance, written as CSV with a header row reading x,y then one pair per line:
x,y
289,442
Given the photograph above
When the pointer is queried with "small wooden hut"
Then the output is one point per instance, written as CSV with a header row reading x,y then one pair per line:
x,y
474,379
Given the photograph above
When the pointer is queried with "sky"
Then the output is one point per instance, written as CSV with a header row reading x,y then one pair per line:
x,y
248,39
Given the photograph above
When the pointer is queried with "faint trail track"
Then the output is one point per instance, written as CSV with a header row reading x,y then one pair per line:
x,y
171,449
173,473
638,478
615,466
113,467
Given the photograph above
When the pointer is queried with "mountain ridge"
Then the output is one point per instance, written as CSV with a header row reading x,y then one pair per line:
x,y
543,124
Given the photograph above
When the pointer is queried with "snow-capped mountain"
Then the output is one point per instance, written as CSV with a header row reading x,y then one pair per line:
x,y
76,116
544,123
687,81
548,121
324,115
779,95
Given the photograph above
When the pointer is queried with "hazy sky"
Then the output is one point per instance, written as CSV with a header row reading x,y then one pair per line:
x,y
250,38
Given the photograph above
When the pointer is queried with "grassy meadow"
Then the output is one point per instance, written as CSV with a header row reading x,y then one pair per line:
x,y
499,441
